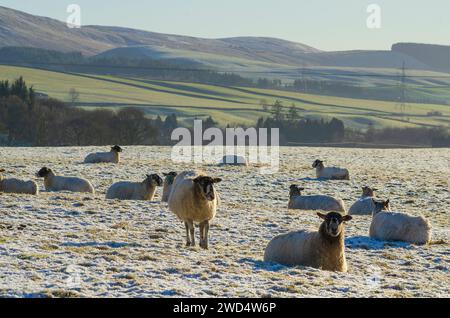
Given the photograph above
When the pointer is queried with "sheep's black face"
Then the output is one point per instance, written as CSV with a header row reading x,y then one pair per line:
x,y
317,163
381,206
154,180
170,177
334,222
43,172
206,185
368,192
116,149
295,190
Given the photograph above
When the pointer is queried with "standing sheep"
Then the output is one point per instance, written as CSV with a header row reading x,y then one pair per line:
x,y
364,205
330,173
17,186
313,202
194,199
168,181
99,157
53,182
144,190
324,249
394,226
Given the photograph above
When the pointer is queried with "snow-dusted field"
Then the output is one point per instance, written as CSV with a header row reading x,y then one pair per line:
x,y
66,244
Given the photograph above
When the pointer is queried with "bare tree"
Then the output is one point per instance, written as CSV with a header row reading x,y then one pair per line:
x,y
74,96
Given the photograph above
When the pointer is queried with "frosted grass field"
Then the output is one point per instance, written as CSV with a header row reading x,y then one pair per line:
x,y
76,245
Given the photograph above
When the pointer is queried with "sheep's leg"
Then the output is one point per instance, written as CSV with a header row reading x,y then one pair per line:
x,y
204,229
188,237
192,231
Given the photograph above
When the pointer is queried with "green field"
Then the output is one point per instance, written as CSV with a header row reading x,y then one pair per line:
x,y
233,105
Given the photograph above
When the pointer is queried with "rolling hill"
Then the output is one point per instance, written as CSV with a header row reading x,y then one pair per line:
x,y
256,53
234,105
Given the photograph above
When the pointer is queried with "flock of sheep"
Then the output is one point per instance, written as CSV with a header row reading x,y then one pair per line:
x,y
193,198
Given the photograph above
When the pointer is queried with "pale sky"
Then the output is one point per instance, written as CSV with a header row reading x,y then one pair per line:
x,y
324,24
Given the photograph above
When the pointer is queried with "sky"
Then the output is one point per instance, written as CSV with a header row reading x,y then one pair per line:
x,y
324,24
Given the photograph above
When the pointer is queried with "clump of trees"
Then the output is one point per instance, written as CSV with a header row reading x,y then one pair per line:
x,y
295,128
31,121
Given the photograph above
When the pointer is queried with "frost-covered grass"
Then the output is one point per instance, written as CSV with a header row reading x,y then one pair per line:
x,y
69,245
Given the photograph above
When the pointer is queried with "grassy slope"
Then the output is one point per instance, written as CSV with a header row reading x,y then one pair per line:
x,y
225,104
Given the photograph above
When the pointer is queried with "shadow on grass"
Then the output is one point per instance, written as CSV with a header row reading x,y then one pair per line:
x,y
100,244
261,265
367,243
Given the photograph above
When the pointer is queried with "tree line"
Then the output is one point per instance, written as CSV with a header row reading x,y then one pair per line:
x,y
26,120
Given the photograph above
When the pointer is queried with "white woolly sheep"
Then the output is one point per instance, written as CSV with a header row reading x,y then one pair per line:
x,y
324,249
100,157
17,186
168,181
144,190
364,205
194,199
53,182
330,173
313,202
234,160
394,226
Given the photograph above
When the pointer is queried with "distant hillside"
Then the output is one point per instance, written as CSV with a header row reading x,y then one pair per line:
x,y
20,29
435,56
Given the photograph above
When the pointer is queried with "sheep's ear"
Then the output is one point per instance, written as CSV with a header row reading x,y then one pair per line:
x,y
165,174
216,180
301,189
322,216
346,218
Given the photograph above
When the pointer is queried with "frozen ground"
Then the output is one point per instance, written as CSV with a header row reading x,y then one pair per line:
x,y
65,244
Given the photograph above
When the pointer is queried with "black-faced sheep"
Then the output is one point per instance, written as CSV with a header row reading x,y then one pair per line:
x,y
330,173
103,157
144,190
17,186
313,202
169,178
324,249
194,199
364,205
394,226
53,182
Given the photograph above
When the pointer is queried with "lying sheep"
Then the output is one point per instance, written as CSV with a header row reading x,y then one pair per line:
x,y
168,181
324,249
364,205
144,190
99,157
53,182
234,160
331,173
394,226
313,202
17,186
194,199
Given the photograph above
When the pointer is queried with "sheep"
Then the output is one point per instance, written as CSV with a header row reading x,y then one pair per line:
x,y
364,205
168,181
234,160
194,199
144,190
313,202
330,173
395,226
324,249
17,186
99,157
53,182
